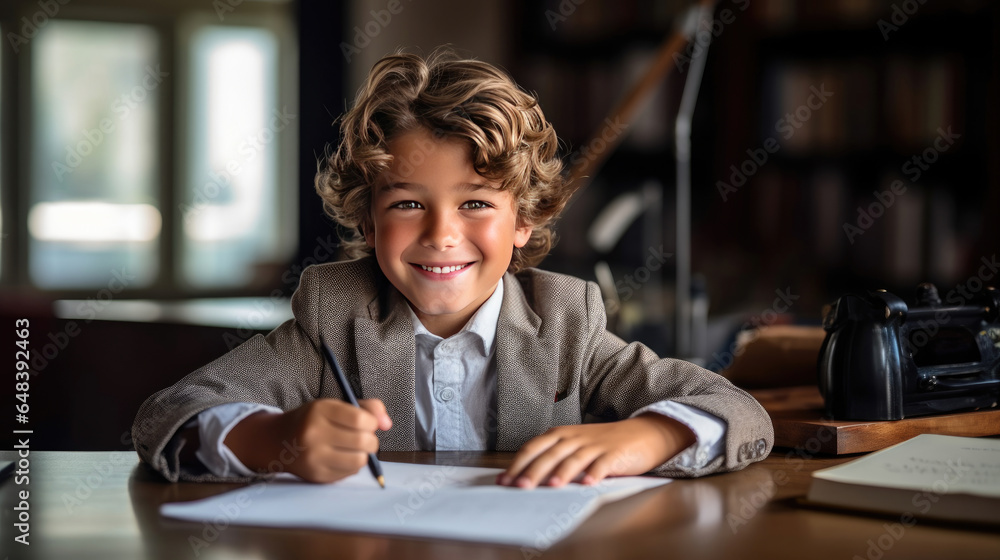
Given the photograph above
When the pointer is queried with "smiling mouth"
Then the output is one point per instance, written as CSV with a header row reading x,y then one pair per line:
x,y
444,269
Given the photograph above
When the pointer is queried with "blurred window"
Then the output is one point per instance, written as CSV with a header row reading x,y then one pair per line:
x,y
3,191
93,206
153,147
230,219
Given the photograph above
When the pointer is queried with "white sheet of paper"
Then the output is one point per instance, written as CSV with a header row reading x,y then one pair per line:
x,y
944,464
438,501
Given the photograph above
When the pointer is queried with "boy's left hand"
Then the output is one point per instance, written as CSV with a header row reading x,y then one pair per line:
x,y
627,447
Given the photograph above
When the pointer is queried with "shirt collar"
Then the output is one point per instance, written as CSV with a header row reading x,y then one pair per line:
x,y
483,323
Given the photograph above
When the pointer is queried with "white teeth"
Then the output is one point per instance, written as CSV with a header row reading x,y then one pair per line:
x,y
443,269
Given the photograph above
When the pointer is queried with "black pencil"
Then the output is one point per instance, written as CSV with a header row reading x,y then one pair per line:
x,y
345,387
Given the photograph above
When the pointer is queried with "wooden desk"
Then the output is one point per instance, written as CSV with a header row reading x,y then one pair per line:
x,y
104,505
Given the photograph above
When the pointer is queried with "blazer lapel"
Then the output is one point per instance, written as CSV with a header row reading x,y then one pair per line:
x,y
385,351
526,373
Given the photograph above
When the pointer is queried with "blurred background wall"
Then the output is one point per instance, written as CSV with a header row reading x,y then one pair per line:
x,y
157,159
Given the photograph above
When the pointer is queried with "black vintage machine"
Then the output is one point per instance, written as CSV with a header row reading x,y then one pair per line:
x,y
883,359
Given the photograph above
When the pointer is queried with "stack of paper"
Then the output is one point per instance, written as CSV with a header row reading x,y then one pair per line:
x,y
462,503
933,476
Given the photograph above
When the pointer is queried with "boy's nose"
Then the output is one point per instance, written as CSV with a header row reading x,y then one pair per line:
x,y
441,231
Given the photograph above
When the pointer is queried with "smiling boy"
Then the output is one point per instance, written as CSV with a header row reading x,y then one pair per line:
x,y
448,173
443,235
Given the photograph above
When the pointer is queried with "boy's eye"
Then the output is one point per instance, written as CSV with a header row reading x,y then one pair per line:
x,y
406,205
476,205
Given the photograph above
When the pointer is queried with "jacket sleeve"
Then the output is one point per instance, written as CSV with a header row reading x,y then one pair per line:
x,y
282,369
621,378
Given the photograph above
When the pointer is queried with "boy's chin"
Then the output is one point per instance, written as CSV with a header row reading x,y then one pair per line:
x,y
437,310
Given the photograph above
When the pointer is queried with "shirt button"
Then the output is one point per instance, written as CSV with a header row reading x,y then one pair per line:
x,y
446,394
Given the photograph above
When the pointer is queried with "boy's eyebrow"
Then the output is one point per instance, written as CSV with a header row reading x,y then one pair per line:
x,y
402,185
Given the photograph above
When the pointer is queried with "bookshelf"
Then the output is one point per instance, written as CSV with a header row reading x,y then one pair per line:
x,y
912,108
871,104
904,136
581,58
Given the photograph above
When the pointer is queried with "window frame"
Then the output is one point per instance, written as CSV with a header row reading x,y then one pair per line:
x,y
175,23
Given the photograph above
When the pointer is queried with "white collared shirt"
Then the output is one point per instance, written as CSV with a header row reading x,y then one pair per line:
x,y
455,400
456,382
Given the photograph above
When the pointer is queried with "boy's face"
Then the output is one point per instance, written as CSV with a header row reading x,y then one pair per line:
x,y
443,234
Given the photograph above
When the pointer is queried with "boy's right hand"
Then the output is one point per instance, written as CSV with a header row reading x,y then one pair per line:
x,y
321,441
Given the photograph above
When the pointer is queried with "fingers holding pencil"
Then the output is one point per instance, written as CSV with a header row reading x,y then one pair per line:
x,y
345,387
377,408
322,441
356,432
338,437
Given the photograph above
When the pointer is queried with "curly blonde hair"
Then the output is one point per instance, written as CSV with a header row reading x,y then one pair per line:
x,y
511,142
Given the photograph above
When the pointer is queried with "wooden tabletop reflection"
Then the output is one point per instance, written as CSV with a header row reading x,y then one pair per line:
x,y
106,505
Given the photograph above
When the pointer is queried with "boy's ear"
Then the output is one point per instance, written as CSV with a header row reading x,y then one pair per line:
x,y
369,234
521,235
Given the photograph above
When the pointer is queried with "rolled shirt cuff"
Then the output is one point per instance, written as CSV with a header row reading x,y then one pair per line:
x,y
214,425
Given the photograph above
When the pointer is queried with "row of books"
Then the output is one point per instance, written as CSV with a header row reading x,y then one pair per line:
x,y
577,98
898,101
589,20
793,13
888,227
895,100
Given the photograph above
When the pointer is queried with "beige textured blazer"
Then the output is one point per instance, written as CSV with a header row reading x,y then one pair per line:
x,y
551,342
